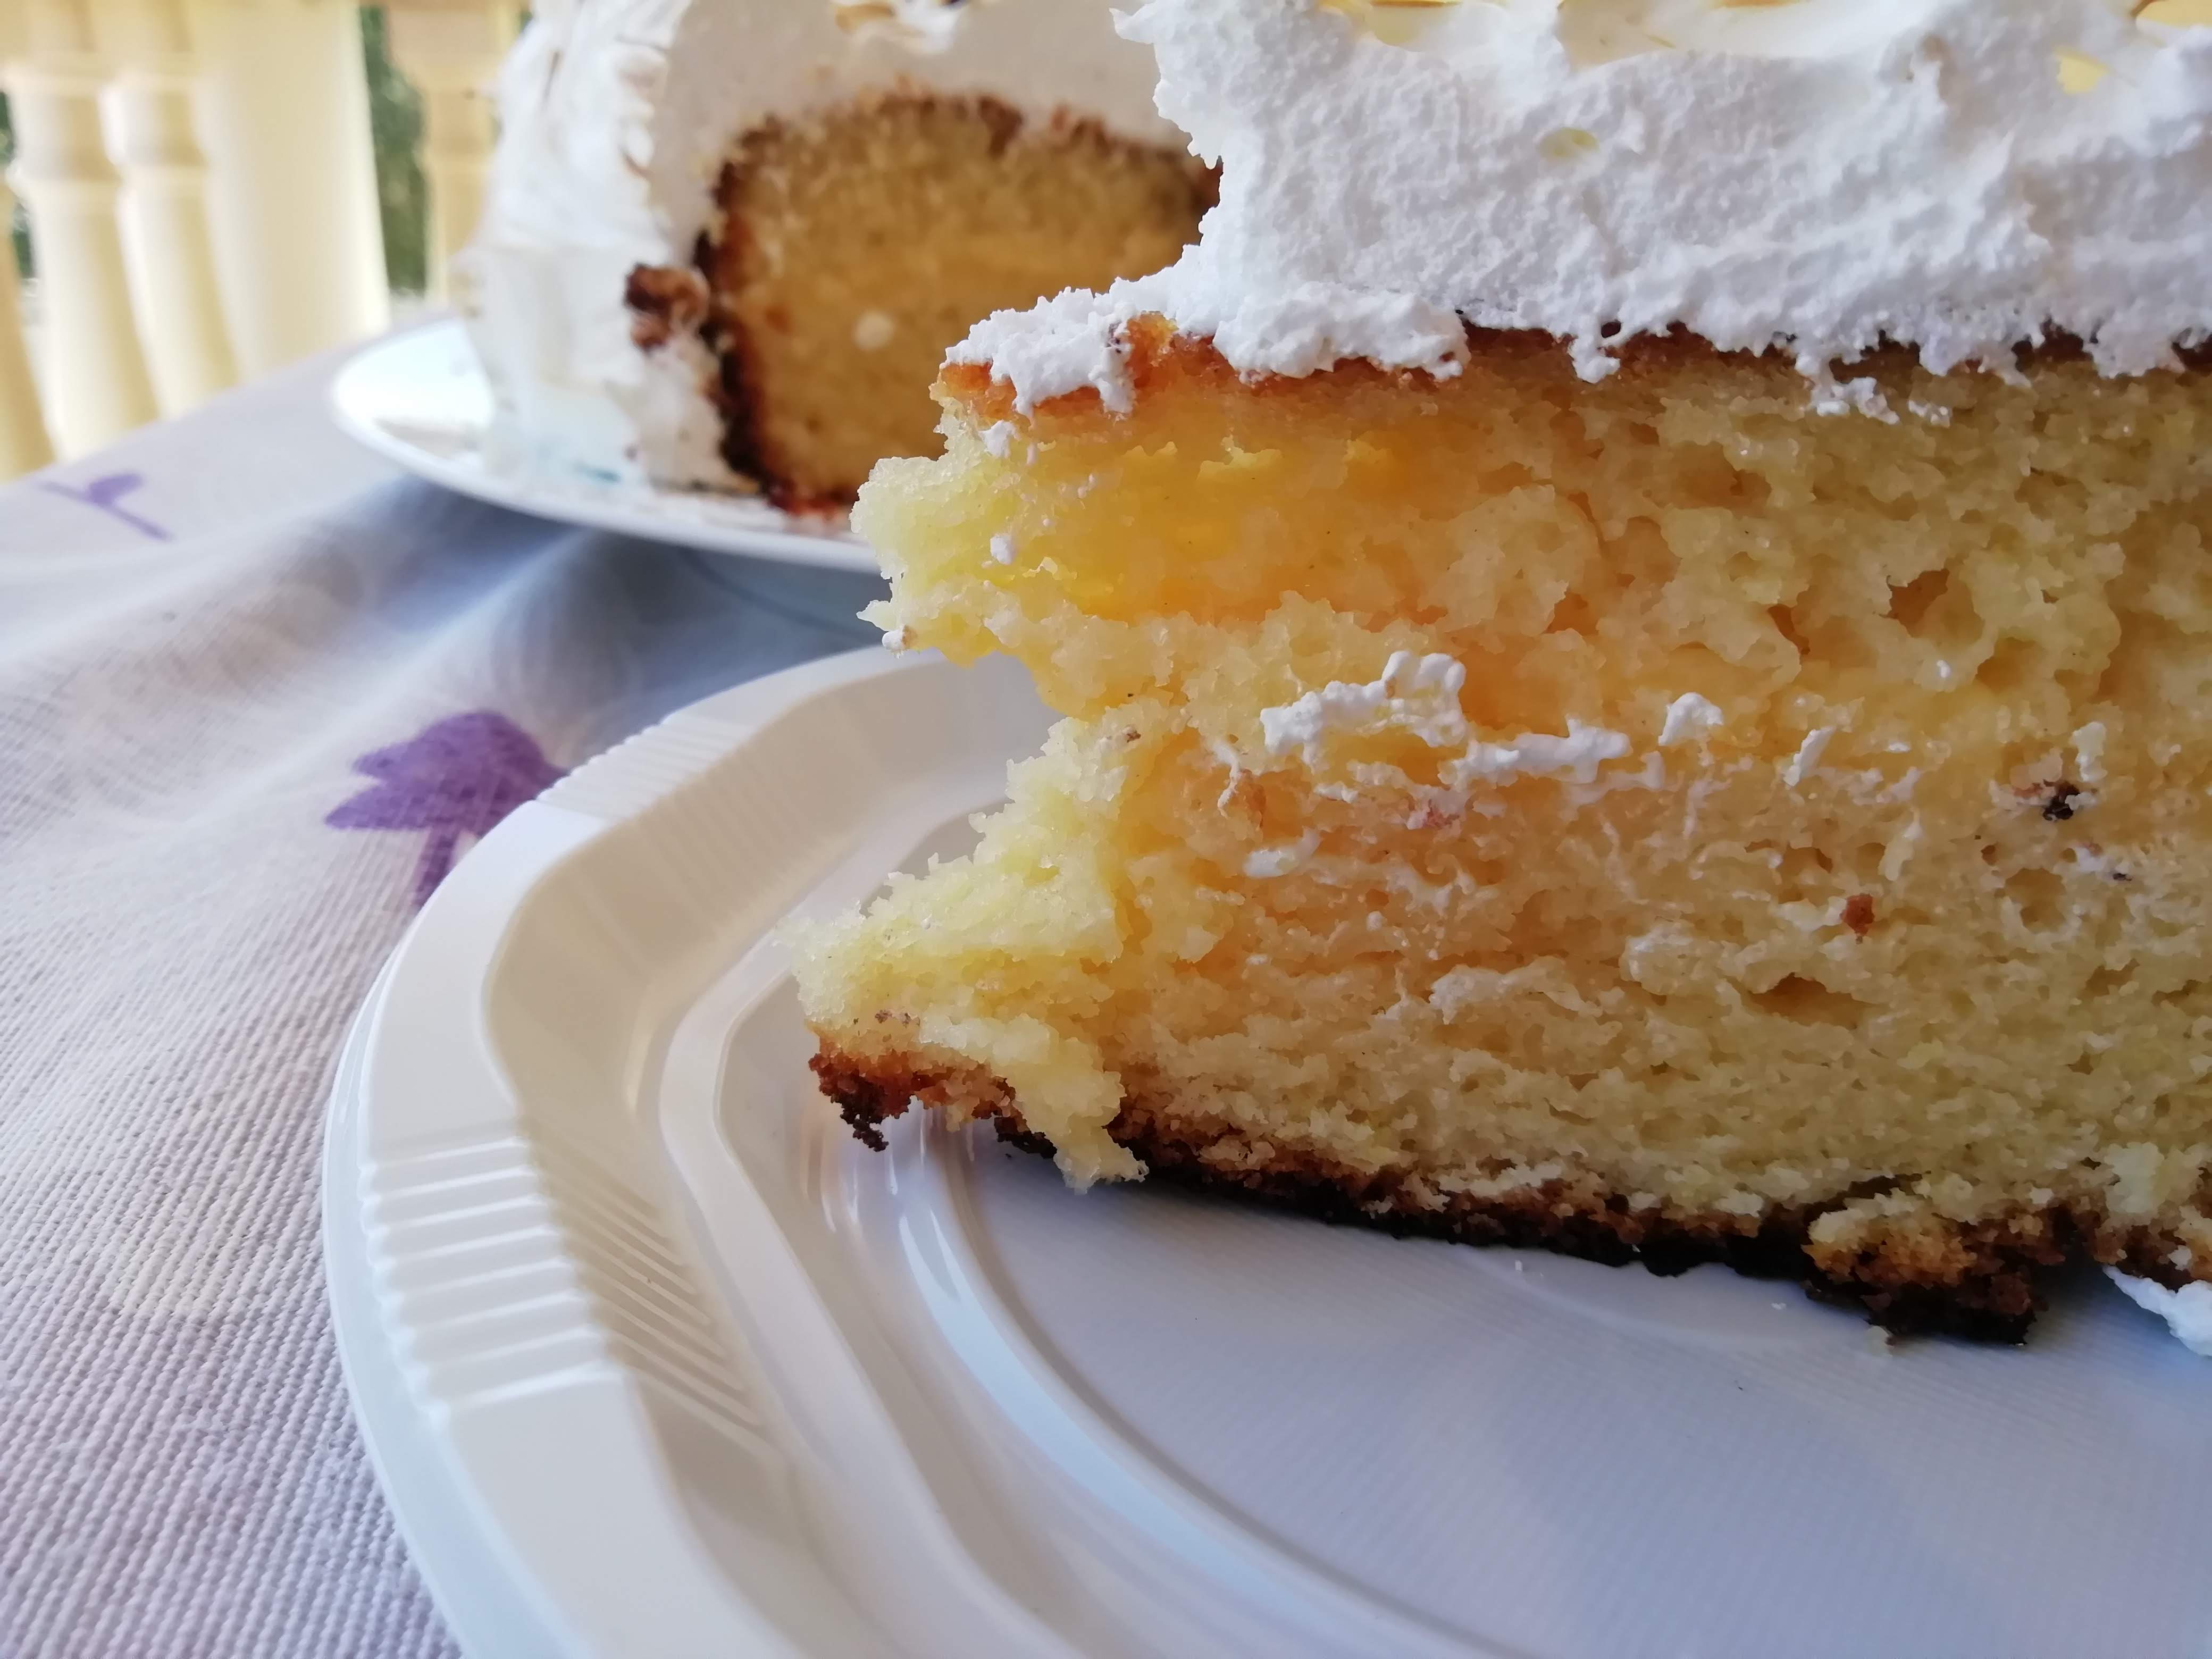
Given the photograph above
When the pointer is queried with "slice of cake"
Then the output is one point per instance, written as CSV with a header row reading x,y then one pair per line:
x,y
1632,625
727,242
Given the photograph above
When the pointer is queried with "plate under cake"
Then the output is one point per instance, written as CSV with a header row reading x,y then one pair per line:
x,y
1651,792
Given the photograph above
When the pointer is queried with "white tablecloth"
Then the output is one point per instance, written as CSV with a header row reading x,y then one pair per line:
x,y
256,690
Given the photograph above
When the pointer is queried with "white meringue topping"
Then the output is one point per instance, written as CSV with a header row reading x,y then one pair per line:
x,y
1821,175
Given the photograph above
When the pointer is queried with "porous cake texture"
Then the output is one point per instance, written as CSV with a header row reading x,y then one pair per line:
x,y
1638,816
853,247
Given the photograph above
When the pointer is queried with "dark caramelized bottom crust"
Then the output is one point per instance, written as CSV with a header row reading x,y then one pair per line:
x,y
1982,1282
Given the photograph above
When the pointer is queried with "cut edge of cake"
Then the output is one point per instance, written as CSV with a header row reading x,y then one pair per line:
x,y
616,118
1908,1269
1135,203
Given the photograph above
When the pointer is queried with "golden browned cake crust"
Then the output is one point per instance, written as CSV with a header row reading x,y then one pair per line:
x,y
1982,1281
1160,359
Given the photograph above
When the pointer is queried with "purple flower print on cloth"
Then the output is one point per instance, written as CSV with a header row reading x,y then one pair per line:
x,y
458,777
103,493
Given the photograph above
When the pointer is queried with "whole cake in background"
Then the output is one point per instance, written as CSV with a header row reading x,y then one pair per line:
x,y
1634,627
726,242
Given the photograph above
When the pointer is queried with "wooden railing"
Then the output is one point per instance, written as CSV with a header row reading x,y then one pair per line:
x,y
202,194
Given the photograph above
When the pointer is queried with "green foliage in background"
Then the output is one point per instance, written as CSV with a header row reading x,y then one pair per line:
x,y
395,124
20,231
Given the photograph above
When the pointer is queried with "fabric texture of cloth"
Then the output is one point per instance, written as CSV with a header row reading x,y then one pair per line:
x,y
258,692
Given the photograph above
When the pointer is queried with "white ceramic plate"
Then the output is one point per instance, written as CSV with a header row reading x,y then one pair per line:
x,y
419,398
655,1359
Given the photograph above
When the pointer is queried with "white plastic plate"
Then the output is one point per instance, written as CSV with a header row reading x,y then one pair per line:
x,y
420,399
655,1359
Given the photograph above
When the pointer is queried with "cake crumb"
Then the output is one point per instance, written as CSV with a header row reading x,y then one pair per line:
x,y
1807,760
2089,752
1689,717
874,330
